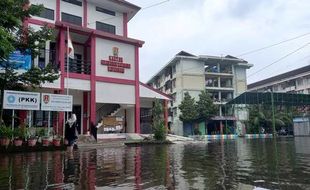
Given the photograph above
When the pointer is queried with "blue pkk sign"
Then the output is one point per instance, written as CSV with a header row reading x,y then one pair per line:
x,y
21,61
19,100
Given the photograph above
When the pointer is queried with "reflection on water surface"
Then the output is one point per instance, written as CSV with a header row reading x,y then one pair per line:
x,y
230,164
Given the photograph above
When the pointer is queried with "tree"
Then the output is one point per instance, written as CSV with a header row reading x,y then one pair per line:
x,y
14,35
158,122
188,109
205,106
258,119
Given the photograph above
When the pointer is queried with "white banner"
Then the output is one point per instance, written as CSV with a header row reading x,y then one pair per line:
x,y
56,102
18,100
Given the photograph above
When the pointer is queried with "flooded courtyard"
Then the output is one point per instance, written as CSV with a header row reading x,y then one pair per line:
x,y
229,164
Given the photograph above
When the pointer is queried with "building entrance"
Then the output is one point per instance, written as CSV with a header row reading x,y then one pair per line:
x,y
77,109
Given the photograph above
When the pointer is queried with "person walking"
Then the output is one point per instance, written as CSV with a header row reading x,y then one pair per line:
x,y
71,131
93,130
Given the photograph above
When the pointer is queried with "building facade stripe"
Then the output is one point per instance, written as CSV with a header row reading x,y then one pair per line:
x,y
137,92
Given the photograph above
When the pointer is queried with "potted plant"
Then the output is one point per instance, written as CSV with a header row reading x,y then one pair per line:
x,y
44,137
32,137
5,135
19,135
56,140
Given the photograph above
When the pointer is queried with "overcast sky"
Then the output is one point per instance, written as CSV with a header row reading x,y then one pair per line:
x,y
221,27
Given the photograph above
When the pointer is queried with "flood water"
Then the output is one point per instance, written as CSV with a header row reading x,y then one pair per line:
x,y
229,164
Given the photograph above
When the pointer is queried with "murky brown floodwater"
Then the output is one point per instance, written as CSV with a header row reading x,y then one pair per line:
x,y
229,164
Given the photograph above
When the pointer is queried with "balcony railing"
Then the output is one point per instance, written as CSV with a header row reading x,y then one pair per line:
x,y
78,66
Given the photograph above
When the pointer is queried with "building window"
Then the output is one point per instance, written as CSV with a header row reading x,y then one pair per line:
x,y
46,13
74,2
105,27
71,19
106,11
173,83
174,97
175,112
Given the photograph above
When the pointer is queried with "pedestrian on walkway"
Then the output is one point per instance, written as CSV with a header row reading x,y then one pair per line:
x,y
71,131
93,130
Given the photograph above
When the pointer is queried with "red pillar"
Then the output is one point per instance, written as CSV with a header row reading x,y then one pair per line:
x,y
85,112
93,80
61,60
137,92
85,13
166,114
138,180
22,114
57,10
125,21
91,175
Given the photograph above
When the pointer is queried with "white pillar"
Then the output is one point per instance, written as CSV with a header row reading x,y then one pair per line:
x,y
130,119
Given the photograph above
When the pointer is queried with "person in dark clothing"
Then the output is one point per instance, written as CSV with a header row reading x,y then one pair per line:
x,y
93,130
71,131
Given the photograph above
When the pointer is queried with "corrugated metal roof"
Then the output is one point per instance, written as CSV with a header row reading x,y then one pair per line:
x,y
280,77
265,98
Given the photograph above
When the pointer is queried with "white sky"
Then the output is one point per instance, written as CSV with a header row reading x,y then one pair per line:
x,y
221,27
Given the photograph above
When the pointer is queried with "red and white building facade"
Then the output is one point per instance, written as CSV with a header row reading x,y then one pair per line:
x,y
104,74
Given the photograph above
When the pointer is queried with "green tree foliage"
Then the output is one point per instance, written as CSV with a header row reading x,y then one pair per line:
x,y
158,126
188,109
205,107
16,36
260,118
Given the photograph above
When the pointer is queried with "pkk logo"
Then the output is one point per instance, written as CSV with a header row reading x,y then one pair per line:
x,y
46,99
115,51
11,99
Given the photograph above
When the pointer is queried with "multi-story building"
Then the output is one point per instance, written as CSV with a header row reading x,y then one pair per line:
x,y
295,81
103,77
223,77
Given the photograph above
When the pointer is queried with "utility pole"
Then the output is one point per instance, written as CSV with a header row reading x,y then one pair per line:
x,y
273,115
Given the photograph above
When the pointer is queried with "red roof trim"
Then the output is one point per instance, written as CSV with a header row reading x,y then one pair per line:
x,y
100,34
123,2
84,30
155,90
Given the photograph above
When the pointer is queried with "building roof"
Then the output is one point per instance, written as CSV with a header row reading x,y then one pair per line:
x,y
203,58
119,5
126,3
280,77
266,97
184,53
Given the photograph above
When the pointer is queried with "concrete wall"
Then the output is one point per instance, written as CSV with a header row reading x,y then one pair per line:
x,y
94,16
115,93
104,50
189,78
78,84
71,9
239,82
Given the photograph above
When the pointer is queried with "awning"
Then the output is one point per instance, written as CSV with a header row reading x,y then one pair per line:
x,y
149,92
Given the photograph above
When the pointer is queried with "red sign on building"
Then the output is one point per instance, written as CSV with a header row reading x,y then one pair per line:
x,y
115,63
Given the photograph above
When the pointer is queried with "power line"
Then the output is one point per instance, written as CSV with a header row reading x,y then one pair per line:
x,y
280,59
155,4
272,45
142,9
